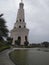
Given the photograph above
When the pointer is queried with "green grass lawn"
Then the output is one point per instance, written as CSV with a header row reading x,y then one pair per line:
x,y
3,46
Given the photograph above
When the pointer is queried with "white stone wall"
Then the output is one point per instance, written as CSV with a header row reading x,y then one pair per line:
x,y
23,31
20,14
17,24
19,32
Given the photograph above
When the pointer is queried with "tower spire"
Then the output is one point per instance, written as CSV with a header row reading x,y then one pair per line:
x,y
21,0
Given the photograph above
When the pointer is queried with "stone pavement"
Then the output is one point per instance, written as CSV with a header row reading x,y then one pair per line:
x,y
4,58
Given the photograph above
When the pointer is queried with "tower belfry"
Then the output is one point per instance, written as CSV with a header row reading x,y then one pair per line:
x,y
20,32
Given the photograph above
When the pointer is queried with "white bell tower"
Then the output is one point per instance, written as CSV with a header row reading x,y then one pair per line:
x,y
20,31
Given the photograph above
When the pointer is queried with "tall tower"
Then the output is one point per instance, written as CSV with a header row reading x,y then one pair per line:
x,y
20,32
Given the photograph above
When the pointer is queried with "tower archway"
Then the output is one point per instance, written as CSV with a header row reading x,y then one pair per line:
x,y
19,40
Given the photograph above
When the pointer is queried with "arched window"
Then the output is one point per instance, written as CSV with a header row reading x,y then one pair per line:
x,y
19,26
23,20
24,26
20,20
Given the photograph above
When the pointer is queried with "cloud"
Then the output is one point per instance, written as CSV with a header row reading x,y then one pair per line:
x,y
36,17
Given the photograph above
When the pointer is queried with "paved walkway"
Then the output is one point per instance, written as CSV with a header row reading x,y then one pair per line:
x,y
4,58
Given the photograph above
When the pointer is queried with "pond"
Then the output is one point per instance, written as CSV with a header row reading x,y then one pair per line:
x,y
32,56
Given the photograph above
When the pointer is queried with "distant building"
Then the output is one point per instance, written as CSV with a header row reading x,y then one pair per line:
x,y
20,31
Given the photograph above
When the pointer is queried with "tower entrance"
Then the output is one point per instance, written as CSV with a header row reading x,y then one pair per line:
x,y
19,40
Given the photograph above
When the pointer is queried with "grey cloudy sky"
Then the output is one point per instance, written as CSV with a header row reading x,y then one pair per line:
x,y
36,17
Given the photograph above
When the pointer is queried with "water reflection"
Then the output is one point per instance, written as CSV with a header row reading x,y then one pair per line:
x,y
31,57
21,57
